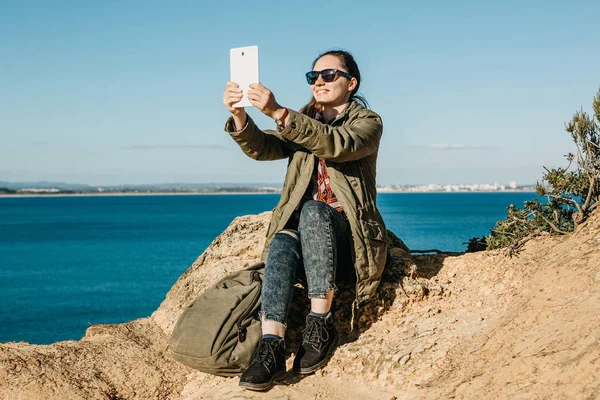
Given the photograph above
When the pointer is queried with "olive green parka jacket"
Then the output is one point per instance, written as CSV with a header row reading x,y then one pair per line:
x,y
349,146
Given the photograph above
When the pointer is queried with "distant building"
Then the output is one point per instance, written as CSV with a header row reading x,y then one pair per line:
x,y
463,187
39,190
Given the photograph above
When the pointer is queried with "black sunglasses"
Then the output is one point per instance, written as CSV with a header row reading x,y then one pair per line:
x,y
328,75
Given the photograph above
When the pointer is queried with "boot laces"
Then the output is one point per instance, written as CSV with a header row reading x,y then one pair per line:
x,y
315,333
265,354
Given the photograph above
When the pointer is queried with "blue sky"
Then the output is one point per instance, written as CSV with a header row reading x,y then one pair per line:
x,y
117,92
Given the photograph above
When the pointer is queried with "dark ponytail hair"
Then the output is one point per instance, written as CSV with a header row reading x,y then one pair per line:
x,y
349,64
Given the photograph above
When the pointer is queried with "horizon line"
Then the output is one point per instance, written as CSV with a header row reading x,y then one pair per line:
x,y
47,182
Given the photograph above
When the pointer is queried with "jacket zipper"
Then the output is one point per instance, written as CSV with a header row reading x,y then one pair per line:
x,y
254,276
310,166
359,208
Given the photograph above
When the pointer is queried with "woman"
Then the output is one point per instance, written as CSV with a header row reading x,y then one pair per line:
x,y
326,220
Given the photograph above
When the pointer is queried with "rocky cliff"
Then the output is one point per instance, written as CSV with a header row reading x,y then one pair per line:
x,y
473,326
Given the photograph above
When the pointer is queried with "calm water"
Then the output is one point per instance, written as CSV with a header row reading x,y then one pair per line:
x,y
69,262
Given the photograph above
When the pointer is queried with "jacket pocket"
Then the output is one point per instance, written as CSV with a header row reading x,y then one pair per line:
x,y
376,247
373,230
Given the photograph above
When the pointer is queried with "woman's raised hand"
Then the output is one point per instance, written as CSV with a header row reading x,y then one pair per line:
x,y
262,98
232,95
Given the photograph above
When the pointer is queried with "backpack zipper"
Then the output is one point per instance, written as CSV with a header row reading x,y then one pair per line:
x,y
254,277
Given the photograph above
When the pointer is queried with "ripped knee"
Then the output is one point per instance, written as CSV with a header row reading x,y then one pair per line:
x,y
291,233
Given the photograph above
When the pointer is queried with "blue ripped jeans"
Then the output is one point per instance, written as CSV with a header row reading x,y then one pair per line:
x,y
321,244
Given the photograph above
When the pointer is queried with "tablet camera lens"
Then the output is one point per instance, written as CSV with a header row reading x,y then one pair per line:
x,y
242,53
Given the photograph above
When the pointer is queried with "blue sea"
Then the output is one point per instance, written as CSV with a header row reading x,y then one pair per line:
x,y
69,262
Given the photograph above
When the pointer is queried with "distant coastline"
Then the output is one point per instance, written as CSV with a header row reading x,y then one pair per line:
x,y
108,194
105,194
61,189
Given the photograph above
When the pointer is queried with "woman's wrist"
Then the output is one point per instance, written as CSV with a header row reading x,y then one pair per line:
x,y
240,119
280,113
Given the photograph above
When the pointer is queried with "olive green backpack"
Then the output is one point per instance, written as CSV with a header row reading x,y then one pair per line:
x,y
219,331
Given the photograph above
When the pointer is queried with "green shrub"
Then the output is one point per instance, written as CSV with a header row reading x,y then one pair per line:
x,y
573,192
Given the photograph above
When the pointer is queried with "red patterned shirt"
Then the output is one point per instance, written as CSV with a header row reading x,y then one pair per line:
x,y
321,188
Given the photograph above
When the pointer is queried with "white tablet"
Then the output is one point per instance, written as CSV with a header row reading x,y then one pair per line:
x,y
243,63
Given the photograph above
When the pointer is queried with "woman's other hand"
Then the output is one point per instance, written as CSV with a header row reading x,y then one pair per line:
x,y
231,96
262,98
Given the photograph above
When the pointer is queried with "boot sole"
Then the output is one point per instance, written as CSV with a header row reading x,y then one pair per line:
x,y
261,387
311,369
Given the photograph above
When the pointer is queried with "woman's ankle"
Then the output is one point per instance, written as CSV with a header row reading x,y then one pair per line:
x,y
322,305
270,327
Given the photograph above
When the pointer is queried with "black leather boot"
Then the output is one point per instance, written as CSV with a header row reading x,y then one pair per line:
x,y
267,365
319,340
